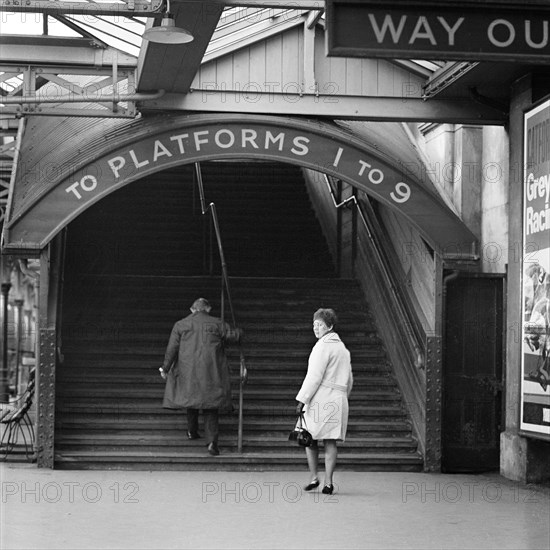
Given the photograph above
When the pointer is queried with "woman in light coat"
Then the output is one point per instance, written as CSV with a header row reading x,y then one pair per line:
x,y
323,397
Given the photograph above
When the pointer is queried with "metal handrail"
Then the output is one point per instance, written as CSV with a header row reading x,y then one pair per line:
x,y
243,374
414,338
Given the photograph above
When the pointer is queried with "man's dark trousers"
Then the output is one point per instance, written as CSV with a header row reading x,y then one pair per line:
x,y
211,423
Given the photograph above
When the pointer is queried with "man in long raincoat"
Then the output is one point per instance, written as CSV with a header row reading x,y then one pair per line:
x,y
196,370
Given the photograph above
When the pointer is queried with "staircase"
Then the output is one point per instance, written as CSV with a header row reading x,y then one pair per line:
x,y
118,311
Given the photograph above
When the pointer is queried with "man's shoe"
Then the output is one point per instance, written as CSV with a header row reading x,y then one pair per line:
x,y
213,449
191,435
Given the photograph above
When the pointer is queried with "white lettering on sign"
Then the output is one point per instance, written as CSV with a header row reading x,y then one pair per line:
x,y
538,188
451,30
375,175
224,138
300,146
388,24
116,164
537,222
137,163
422,29
338,155
155,151
530,42
88,183
508,34
224,144
510,31
180,139
160,150
249,136
402,192
73,189
270,138
198,140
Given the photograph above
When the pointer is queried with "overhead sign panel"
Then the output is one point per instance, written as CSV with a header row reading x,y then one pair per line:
x,y
444,30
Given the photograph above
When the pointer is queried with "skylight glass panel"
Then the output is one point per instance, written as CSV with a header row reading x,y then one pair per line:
x,y
117,31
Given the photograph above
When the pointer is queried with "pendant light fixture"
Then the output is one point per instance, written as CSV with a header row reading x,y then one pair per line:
x,y
167,32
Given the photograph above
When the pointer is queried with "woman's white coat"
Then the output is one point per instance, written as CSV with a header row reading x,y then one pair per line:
x,y
326,388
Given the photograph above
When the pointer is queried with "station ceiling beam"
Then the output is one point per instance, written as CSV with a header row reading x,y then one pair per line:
x,y
63,52
333,107
143,8
133,8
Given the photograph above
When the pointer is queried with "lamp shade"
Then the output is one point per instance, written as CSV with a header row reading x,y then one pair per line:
x,y
168,33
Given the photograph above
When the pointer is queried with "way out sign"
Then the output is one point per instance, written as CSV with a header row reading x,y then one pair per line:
x,y
498,30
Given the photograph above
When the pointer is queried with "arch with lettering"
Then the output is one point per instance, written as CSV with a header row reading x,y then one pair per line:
x,y
154,144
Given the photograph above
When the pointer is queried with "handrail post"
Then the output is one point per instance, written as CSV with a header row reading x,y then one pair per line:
x,y
224,284
242,381
204,210
339,230
201,188
354,232
210,248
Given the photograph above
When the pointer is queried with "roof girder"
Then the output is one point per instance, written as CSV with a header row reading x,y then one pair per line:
x,y
66,52
329,106
141,8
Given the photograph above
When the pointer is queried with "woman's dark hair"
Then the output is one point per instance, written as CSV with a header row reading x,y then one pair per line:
x,y
328,316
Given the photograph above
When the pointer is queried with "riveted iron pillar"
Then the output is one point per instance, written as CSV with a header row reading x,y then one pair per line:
x,y
434,382
46,400
4,368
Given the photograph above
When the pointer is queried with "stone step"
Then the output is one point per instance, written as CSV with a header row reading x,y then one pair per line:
x,y
250,444
230,461
78,376
164,419
262,366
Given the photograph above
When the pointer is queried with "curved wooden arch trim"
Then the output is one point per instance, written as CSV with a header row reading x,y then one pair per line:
x,y
164,142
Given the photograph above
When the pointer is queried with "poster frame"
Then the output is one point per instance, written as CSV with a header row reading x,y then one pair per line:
x,y
528,428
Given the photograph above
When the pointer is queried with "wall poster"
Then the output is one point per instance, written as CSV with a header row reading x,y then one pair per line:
x,y
535,356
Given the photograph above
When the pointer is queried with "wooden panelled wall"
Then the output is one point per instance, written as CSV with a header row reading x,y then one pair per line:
x,y
265,66
362,77
276,65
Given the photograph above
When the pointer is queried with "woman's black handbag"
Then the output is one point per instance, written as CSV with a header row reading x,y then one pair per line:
x,y
300,433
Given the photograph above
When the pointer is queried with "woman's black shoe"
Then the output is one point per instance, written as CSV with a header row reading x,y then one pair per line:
x,y
191,435
328,489
312,485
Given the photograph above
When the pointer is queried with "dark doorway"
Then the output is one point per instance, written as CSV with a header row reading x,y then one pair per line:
x,y
472,372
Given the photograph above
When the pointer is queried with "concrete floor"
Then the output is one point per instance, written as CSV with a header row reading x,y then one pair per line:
x,y
160,510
